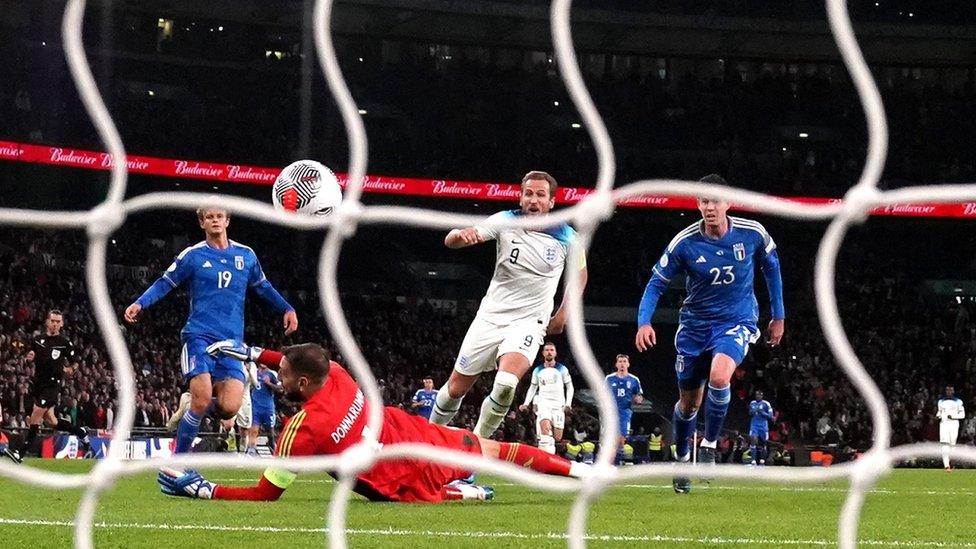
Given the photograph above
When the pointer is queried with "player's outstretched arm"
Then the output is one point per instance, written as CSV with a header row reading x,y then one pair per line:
x,y
240,351
774,284
267,292
173,482
154,293
462,238
670,264
177,272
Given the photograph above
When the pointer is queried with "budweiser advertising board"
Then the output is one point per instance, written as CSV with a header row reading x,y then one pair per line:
x,y
472,190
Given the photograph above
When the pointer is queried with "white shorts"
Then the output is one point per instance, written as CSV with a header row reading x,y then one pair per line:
x,y
486,342
948,432
554,413
243,419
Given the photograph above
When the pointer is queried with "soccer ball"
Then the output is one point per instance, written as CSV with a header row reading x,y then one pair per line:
x,y
306,187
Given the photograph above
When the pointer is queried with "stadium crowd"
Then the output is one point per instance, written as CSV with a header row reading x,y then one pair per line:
x,y
912,347
669,116
789,128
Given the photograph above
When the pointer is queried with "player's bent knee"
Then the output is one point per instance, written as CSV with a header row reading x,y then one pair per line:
x,y
514,363
225,413
503,390
687,408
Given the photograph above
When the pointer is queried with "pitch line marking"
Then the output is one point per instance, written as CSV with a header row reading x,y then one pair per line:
x,y
484,535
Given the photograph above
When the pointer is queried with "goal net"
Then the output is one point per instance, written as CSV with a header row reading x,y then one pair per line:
x,y
101,221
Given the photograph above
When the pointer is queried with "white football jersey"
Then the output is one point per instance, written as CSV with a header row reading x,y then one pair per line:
x,y
528,267
951,409
551,383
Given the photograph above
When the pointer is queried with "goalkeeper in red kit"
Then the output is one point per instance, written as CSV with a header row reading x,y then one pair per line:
x,y
333,418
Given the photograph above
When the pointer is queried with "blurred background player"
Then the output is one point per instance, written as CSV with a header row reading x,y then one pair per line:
x,y
513,317
950,413
719,317
333,418
263,413
423,400
552,389
5,448
760,414
217,274
53,356
626,390
238,428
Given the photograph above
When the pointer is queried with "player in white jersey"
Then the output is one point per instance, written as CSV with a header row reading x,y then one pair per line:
x,y
514,315
244,417
951,412
552,391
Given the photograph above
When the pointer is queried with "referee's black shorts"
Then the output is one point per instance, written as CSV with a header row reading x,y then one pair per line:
x,y
46,395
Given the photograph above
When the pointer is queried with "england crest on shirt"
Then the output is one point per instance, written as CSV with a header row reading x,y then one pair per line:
x,y
739,250
551,254
239,262
55,353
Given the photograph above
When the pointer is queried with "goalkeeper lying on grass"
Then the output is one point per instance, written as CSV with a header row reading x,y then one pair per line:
x,y
333,418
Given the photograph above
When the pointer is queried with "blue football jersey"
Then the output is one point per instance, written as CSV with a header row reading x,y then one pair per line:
x,y
427,398
719,271
623,389
761,413
217,282
262,396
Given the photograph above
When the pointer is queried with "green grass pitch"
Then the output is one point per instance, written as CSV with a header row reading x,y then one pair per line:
x,y
911,508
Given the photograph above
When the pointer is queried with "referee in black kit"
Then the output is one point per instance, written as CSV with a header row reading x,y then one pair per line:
x,y
53,356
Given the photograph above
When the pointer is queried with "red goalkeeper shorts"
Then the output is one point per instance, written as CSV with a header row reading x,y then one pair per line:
x,y
413,480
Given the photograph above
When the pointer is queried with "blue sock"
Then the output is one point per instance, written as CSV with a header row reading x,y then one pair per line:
x,y
716,406
762,452
753,453
620,456
186,432
683,427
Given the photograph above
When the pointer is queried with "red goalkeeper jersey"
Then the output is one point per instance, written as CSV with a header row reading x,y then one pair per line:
x,y
335,419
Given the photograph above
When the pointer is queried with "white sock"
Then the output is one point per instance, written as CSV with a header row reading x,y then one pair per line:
x,y
547,444
496,404
708,443
579,470
445,407
945,456
469,491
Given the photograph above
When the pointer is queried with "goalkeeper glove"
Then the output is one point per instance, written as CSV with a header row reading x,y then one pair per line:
x,y
188,484
236,350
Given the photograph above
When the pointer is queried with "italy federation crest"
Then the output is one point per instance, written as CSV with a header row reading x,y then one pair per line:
x,y
239,262
739,250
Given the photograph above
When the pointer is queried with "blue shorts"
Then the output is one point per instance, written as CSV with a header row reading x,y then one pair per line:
x,y
194,361
696,345
263,417
624,417
761,434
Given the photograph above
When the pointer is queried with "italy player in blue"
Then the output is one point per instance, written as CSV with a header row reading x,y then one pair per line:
x,y
760,414
263,408
718,318
626,389
217,273
423,400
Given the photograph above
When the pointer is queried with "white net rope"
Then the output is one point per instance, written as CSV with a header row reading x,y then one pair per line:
x,y
103,220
